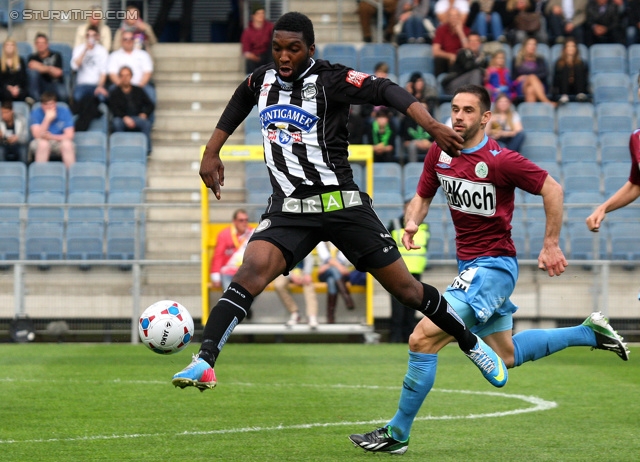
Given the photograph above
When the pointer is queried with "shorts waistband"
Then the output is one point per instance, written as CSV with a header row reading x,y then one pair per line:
x,y
326,202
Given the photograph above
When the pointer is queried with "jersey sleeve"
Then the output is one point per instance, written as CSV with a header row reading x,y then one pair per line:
x,y
519,171
428,183
634,150
239,106
349,86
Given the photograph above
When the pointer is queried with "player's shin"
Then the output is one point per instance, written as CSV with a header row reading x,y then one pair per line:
x,y
230,310
436,308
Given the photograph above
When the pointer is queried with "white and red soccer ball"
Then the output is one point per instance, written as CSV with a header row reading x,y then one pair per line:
x,y
166,327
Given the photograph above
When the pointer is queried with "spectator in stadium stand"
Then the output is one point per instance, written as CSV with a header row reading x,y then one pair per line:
x,y
302,276
256,40
14,134
450,37
13,73
131,107
45,71
230,245
486,255
52,130
307,136
139,61
95,20
143,35
89,60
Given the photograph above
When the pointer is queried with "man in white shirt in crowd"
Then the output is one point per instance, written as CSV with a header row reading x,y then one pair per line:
x,y
139,61
89,60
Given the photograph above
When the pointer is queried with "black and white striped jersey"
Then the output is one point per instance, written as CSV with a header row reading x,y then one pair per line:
x,y
304,123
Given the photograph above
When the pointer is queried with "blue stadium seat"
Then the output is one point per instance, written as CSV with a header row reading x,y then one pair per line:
x,y
607,57
614,147
615,174
252,121
576,117
373,53
88,176
100,124
388,205
413,57
91,146
121,241
624,241
13,177
540,147
535,238
86,206
578,147
341,53
537,117
44,241
411,172
580,204
611,87
46,207
253,138
586,245
614,117
581,176
533,208
47,177
129,140
9,241
127,176
85,241
633,52
553,168
22,108
359,176
255,169
10,202
387,178
121,206
25,49
444,111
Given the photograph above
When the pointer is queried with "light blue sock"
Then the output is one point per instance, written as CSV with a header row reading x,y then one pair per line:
x,y
416,385
533,344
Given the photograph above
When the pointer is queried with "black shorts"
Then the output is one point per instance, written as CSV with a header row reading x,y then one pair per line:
x,y
355,230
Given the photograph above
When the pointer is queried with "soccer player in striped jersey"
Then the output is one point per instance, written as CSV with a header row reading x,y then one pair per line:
x,y
479,186
304,108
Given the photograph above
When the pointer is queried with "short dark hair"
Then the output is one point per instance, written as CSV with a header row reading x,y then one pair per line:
x,y
94,29
125,67
297,22
7,104
41,35
480,92
48,96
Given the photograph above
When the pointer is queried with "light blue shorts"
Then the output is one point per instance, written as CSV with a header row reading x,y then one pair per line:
x,y
480,293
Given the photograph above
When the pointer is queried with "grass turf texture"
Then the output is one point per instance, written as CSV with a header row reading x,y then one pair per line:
x,y
297,402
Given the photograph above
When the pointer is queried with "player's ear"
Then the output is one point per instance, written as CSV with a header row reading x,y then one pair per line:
x,y
312,50
486,117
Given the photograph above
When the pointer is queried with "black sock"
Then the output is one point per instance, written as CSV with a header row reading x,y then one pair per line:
x,y
436,308
230,310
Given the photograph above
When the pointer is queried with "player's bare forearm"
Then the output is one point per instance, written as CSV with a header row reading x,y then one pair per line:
x,y
211,167
623,196
447,139
417,210
551,258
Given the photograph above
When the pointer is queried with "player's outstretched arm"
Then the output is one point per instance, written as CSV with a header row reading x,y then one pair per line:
x,y
448,140
417,210
211,167
623,196
551,258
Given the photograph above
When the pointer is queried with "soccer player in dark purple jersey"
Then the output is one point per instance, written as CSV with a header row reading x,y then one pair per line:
x,y
479,186
304,108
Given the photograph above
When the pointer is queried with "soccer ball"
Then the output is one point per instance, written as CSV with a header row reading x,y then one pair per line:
x,y
166,327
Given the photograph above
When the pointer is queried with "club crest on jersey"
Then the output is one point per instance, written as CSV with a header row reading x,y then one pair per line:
x,y
309,91
265,89
482,170
284,137
469,196
288,114
356,78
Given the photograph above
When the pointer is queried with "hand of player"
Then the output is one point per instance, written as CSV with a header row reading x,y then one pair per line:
x,y
593,221
410,229
448,140
212,172
552,260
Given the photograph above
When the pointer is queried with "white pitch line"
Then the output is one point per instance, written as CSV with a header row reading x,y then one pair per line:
x,y
539,405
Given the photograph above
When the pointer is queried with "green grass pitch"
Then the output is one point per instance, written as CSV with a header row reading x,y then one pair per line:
x,y
296,402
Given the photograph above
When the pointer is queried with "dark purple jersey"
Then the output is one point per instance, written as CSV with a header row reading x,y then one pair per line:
x,y
634,150
479,187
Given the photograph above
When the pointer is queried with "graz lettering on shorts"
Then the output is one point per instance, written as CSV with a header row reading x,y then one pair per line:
x,y
288,114
469,196
327,202
463,280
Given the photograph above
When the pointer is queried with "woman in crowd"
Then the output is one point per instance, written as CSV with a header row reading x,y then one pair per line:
x,y
505,126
